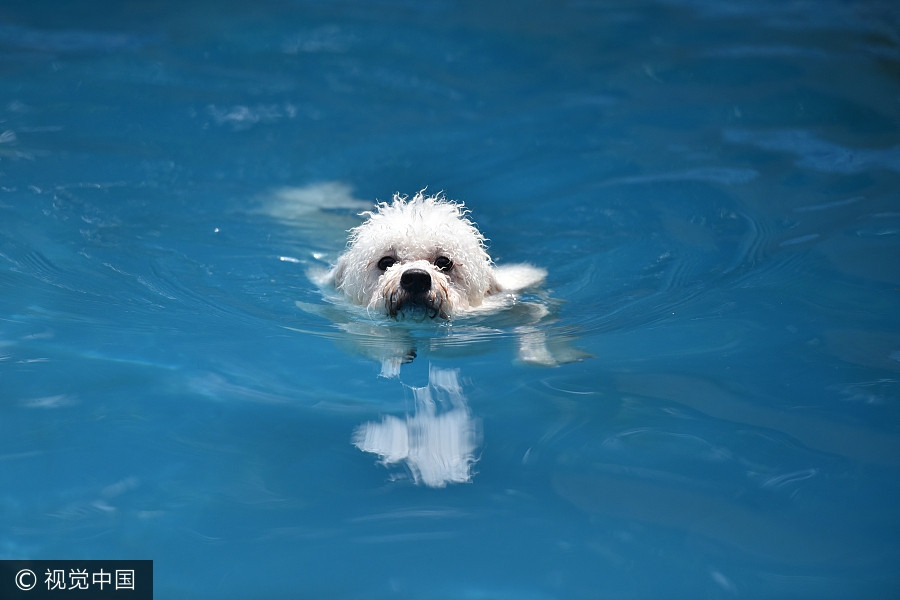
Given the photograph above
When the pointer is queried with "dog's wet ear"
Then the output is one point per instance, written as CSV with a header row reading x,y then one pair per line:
x,y
337,275
494,285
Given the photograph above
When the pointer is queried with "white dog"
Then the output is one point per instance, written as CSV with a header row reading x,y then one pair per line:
x,y
423,258
420,259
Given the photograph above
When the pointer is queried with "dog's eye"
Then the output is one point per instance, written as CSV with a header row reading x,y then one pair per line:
x,y
443,263
386,262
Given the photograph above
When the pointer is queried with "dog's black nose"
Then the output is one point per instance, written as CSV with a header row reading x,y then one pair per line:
x,y
415,281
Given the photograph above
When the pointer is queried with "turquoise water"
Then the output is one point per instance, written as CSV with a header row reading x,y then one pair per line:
x,y
712,187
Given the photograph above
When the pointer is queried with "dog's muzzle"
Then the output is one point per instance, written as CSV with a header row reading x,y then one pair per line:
x,y
416,296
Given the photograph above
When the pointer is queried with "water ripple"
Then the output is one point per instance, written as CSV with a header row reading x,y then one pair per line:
x,y
815,153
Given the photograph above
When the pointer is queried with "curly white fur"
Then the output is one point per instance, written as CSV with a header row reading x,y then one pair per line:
x,y
423,257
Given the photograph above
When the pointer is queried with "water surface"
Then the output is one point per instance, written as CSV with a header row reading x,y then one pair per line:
x,y
712,188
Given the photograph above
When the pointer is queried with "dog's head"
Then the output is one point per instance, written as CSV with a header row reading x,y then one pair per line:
x,y
421,257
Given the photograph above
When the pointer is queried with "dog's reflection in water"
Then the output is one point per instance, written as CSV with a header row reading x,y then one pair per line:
x,y
437,442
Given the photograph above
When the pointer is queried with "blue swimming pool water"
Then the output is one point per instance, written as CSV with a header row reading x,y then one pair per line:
x,y
713,188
